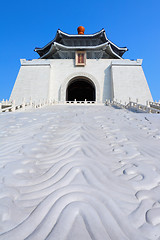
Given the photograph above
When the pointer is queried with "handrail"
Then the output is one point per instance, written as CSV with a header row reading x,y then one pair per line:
x,y
150,107
6,106
155,105
10,106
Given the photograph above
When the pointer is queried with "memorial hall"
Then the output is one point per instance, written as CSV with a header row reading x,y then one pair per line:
x,y
81,67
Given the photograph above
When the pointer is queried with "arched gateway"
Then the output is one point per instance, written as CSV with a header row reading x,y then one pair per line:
x,y
80,89
74,83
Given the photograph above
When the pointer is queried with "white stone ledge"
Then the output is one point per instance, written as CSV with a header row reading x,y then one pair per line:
x,y
35,62
126,62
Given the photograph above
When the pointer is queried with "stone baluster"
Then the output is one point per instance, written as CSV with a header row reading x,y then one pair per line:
x,y
147,104
30,102
23,104
34,104
13,106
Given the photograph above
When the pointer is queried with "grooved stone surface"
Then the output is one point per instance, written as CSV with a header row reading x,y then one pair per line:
x,y
79,172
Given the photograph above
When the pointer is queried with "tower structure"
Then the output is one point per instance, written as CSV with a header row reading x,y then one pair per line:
x,y
81,67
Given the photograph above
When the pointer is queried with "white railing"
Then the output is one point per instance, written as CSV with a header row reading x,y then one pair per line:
x,y
11,106
141,108
155,105
80,102
150,107
115,103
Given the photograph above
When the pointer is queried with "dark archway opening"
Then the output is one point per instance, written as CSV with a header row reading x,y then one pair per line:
x,y
80,89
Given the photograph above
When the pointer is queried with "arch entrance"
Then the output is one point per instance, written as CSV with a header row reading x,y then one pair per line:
x,y
80,89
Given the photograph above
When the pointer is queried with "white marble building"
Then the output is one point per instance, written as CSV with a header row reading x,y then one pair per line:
x,y
81,67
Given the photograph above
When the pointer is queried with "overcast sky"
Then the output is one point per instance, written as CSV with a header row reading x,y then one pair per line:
x,y
33,23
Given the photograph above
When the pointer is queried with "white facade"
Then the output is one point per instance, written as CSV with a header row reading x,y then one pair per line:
x,y
119,79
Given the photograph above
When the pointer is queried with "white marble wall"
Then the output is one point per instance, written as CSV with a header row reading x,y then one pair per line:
x,y
32,82
129,82
49,78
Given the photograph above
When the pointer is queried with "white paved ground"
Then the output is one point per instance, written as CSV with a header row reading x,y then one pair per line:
x,y
79,172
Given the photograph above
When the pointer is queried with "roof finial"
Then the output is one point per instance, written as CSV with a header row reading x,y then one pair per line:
x,y
80,30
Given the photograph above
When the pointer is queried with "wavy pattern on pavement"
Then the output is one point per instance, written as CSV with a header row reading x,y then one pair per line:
x,y
84,172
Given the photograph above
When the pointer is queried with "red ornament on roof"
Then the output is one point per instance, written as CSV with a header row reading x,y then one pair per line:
x,y
80,30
